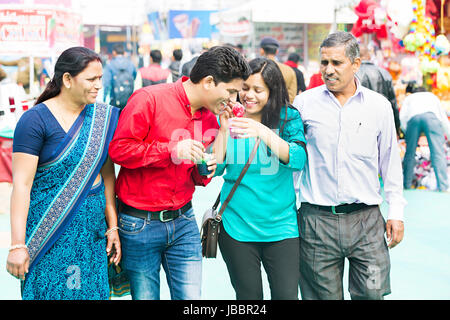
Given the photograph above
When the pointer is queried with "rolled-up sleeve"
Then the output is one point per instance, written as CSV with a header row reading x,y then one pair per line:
x,y
221,168
294,135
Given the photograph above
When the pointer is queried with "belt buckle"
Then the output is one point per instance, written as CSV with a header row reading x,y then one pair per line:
x,y
161,216
333,210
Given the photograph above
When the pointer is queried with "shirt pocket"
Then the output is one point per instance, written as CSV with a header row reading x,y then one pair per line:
x,y
363,142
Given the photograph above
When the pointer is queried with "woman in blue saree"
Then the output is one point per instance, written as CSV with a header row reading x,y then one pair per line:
x,y
63,215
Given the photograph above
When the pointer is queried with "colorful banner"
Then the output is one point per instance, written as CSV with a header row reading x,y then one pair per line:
x,y
158,28
189,24
38,32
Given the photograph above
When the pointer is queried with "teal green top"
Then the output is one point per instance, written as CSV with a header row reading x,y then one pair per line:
x,y
7,133
263,208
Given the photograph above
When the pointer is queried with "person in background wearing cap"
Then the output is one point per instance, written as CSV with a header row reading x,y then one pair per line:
x,y
269,49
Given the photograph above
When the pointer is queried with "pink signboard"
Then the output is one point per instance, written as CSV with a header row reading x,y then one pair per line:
x,y
38,32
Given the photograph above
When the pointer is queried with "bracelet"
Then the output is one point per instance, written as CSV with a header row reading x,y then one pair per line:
x,y
18,246
111,230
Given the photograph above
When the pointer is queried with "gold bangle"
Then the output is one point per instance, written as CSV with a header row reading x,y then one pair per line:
x,y
111,230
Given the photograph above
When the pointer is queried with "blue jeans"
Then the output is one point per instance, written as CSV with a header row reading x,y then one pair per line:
x,y
146,244
431,126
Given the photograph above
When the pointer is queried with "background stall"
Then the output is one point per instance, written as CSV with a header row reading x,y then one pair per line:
x,y
32,34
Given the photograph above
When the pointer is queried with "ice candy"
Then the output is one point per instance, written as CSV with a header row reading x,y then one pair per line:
x,y
238,110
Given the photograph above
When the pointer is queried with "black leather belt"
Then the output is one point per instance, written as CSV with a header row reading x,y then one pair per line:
x,y
343,208
163,215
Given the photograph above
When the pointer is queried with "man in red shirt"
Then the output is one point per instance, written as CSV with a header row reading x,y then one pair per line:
x,y
162,132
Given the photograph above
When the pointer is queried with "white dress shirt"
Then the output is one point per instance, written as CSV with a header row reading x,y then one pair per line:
x,y
422,102
348,147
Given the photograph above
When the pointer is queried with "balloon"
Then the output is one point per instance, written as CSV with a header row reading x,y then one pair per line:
x,y
420,39
424,35
429,66
401,14
410,42
442,44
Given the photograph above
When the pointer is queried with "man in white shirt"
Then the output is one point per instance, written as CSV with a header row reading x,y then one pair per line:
x,y
351,139
422,112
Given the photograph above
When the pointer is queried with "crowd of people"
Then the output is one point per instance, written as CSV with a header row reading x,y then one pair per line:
x,y
71,217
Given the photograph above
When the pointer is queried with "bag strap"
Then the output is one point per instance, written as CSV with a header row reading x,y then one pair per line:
x,y
216,204
218,217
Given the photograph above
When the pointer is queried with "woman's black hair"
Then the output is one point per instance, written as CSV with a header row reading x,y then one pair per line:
x,y
73,60
410,87
278,94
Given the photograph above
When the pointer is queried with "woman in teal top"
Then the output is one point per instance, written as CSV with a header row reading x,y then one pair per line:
x,y
260,222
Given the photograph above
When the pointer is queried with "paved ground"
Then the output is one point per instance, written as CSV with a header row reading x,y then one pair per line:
x,y
420,264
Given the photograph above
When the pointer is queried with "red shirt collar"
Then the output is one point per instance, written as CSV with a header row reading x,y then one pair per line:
x,y
185,100
181,92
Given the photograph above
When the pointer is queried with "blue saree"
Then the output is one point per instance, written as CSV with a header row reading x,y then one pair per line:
x,y
66,220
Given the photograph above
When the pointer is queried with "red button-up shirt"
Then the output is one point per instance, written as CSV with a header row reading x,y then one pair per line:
x,y
154,120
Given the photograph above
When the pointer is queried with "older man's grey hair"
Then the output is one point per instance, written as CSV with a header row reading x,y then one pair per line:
x,y
345,39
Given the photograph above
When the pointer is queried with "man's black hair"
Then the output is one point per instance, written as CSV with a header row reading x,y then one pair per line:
x,y
119,48
156,56
294,57
223,63
177,54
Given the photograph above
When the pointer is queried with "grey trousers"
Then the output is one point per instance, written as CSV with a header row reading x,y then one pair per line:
x,y
326,239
